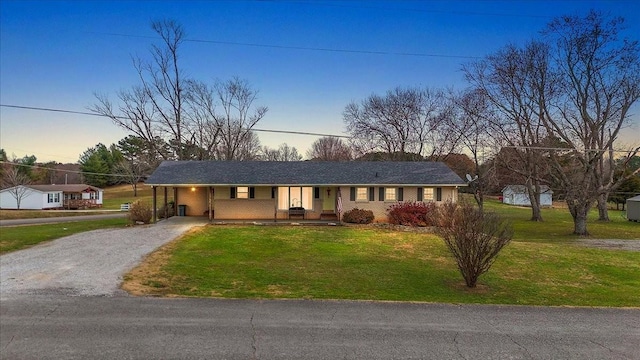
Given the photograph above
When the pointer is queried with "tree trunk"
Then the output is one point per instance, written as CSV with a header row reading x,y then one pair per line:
x,y
534,197
603,211
135,189
579,211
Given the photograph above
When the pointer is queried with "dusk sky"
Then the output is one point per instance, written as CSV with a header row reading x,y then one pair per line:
x,y
56,54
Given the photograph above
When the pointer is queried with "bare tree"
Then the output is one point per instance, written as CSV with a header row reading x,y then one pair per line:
x,y
514,81
284,152
329,148
237,118
15,181
473,237
403,121
598,76
473,123
195,120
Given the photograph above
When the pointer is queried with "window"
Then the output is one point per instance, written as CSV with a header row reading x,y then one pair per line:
x,y
362,194
242,192
49,198
390,194
428,194
295,196
53,198
94,195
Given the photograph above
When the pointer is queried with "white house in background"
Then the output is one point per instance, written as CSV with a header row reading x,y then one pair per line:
x,y
41,197
633,208
518,195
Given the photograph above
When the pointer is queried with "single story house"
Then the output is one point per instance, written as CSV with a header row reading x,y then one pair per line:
x,y
518,195
633,208
273,190
40,197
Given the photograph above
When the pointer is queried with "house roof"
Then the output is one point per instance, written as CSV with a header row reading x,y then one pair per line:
x,y
71,188
634,199
521,189
303,173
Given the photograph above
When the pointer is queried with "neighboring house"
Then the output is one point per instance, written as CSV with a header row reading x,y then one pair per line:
x,y
518,195
39,197
633,208
262,190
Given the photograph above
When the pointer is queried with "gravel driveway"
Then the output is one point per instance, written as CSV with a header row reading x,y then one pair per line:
x,y
86,264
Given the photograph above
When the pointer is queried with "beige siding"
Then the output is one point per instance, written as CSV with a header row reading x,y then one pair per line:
x,y
196,201
379,208
263,207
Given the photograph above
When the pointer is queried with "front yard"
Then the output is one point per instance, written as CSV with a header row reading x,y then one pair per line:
x,y
376,264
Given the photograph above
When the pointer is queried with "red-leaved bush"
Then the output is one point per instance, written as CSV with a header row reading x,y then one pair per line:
x,y
412,213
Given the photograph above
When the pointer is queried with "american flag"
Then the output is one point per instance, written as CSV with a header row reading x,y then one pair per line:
x,y
339,207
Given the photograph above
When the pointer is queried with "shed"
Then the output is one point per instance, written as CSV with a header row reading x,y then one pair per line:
x,y
518,195
633,208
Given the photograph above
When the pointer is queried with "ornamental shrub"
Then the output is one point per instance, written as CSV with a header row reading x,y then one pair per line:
x,y
140,212
412,213
358,216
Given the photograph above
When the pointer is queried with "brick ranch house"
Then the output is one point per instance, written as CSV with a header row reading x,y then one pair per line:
x,y
313,190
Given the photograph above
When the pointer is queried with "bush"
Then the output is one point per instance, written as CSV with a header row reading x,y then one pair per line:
x,y
473,237
412,214
140,212
358,216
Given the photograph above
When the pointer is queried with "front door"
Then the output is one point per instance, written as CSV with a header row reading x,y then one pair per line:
x,y
328,196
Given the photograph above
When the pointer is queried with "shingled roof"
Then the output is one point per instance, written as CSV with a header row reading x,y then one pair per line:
x,y
71,188
313,173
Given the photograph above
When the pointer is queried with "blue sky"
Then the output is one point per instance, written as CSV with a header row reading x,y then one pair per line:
x,y
56,54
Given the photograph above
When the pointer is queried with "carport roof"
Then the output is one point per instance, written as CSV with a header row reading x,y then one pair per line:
x,y
186,173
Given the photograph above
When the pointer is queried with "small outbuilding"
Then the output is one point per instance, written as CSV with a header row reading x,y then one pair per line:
x,y
42,197
518,195
633,208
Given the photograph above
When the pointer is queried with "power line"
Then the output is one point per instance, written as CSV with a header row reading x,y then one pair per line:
x,y
61,170
305,48
306,133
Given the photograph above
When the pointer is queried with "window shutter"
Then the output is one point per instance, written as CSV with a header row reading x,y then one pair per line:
x,y
438,194
352,194
233,192
420,192
381,194
273,192
400,194
252,192
316,192
372,194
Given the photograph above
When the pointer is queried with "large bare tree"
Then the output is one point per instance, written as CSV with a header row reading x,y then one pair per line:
x,y
403,121
195,120
598,79
514,83
329,148
473,122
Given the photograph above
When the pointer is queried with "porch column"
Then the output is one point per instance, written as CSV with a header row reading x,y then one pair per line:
x,y
155,203
211,194
275,207
166,209
175,200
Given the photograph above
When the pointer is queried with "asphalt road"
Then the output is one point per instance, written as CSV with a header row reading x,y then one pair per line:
x,y
122,327
51,220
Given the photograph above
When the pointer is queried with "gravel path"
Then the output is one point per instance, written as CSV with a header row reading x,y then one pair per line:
x,y
85,264
611,244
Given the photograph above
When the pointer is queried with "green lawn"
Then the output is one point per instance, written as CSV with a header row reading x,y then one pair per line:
x,y
373,264
32,214
19,237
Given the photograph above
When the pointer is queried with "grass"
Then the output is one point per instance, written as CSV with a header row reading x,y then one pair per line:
x,y
20,237
116,195
32,214
375,264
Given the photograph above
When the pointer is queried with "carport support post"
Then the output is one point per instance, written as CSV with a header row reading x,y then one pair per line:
x,y
155,204
166,208
210,203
